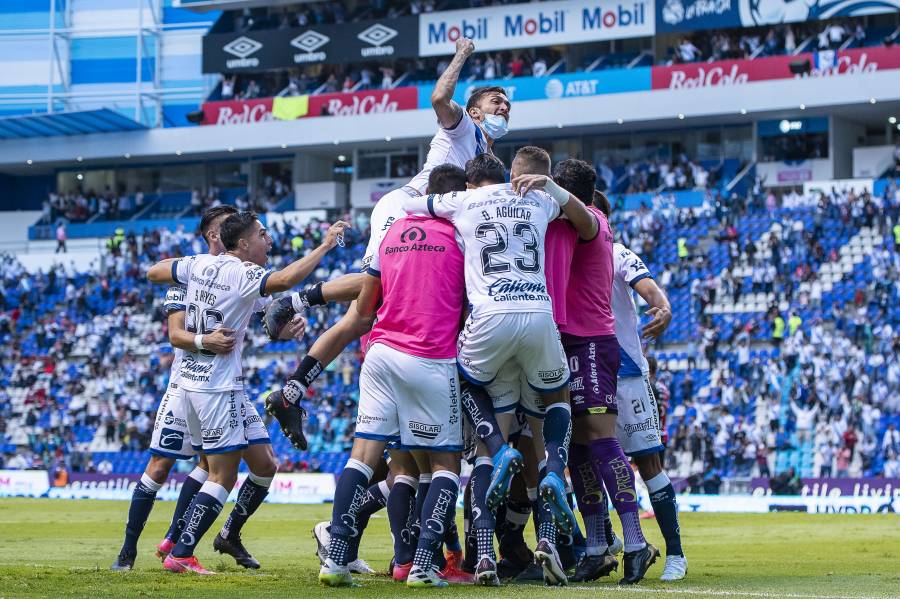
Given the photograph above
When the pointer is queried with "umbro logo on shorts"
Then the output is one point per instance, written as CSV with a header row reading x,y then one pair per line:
x,y
424,431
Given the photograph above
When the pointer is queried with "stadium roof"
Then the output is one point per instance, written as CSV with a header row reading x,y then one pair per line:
x,y
103,120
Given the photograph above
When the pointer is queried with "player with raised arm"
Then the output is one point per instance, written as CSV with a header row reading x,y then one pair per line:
x,y
222,291
503,230
463,134
638,427
409,392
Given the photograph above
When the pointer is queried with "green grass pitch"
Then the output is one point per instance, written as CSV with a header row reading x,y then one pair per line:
x,y
61,548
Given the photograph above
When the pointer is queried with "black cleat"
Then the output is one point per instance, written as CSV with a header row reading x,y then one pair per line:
x,y
277,315
566,556
637,563
235,549
289,415
514,560
124,562
593,567
532,573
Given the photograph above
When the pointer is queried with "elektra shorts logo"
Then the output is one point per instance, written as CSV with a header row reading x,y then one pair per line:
x,y
309,42
242,47
377,35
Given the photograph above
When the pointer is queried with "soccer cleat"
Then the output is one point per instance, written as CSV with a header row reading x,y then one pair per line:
x,y
514,560
617,546
553,490
593,567
180,565
486,573
532,573
360,566
545,554
675,568
333,575
507,463
648,515
637,563
454,558
277,315
289,414
235,548
124,562
323,539
164,548
422,579
401,571
452,573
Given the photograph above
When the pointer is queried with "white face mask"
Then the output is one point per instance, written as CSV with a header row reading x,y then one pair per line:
x,y
495,126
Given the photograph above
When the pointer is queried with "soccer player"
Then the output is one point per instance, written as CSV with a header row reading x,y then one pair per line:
x,y
171,439
409,391
511,320
222,291
637,426
463,134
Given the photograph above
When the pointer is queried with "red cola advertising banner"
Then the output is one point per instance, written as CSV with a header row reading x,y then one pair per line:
x,y
738,72
236,112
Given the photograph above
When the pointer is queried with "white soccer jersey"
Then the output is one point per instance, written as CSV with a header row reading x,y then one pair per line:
x,y
175,303
628,269
503,236
455,146
222,291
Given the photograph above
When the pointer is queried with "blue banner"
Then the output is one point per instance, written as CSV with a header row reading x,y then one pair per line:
x,y
685,15
553,87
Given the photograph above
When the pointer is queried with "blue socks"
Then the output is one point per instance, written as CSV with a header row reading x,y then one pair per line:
x,y
376,499
249,498
437,513
557,433
479,410
401,506
483,520
203,512
189,490
665,506
349,495
141,504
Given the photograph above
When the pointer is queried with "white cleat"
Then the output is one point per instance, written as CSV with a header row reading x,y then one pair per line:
x,y
359,566
323,539
333,575
618,545
676,568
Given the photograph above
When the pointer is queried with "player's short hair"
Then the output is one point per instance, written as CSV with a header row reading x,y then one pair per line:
x,y
446,178
210,216
479,92
602,202
485,168
236,226
577,177
532,160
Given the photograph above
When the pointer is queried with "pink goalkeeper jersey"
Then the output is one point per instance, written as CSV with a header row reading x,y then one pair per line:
x,y
558,247
589,295
423,288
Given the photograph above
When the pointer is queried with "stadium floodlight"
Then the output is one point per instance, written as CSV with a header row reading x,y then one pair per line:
x,y
284,146
387,138
872,100
127,155
680,116
892,120
178,152
620,120
743,111
79,158
803,107
230,149
800,67
29,162
341,158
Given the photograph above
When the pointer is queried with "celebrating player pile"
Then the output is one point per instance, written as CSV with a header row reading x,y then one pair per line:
x,y
504,302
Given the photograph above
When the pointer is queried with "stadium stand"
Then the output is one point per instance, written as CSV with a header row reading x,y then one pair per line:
x,y
782,352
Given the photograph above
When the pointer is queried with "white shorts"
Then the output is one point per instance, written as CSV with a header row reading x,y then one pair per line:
x,y
171,437
530,340
637,424
386,211
224,421
510,390
408,400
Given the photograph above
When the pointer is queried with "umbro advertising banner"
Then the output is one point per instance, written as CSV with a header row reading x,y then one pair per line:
x,y
536,24
322,44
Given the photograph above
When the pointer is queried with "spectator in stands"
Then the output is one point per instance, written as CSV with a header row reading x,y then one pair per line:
x,y
539,67
61,237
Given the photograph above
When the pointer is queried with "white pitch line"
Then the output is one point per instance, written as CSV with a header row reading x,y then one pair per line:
x,y
723,593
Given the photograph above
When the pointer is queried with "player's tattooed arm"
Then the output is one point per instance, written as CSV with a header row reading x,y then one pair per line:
x,y
295,272
575,210
220,341
660,308
449,112
161,272
370,296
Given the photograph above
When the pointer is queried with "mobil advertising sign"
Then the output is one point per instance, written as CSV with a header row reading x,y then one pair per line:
x,y
535,24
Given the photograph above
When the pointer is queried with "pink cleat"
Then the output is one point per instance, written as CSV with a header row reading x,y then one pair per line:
x,y
185,564
164,548
452,573
401,572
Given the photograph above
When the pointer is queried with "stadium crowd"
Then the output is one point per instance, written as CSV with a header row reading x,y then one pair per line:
x,y
86,351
